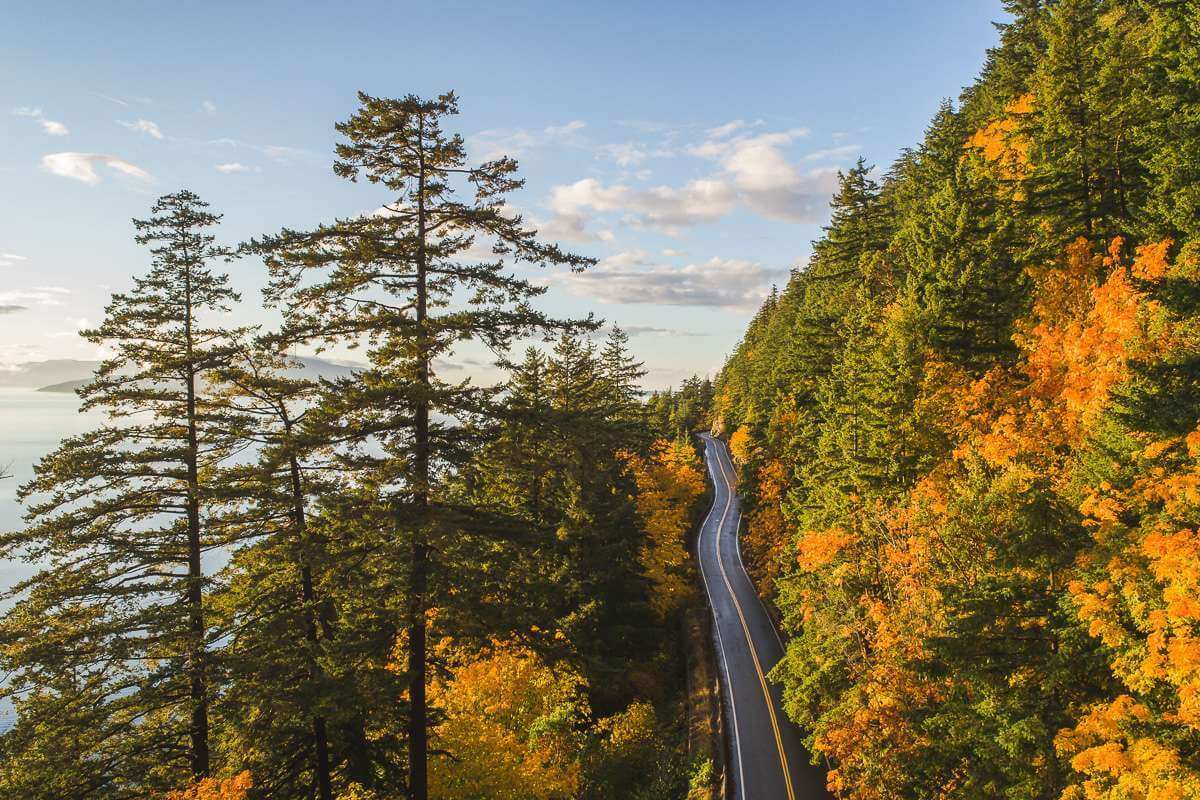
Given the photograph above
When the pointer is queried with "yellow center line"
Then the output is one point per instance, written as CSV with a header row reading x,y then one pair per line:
x,y
787,775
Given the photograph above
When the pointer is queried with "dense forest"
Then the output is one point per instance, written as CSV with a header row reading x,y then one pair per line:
x,y
255,584
968,432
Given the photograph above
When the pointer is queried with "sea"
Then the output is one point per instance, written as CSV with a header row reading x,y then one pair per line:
x,y
32,424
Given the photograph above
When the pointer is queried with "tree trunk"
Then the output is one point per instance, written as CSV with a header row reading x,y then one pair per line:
x,y
418,787
195,588
320,736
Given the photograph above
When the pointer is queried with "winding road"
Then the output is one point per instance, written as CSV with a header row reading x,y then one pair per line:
x,y
767,758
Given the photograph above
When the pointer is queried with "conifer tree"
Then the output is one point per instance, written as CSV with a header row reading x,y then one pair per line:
x,y
109,643
276,658
403,283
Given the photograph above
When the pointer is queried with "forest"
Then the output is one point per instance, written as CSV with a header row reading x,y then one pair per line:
x,y
252,583
967,431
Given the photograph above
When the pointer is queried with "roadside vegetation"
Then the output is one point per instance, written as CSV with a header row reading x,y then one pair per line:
x,y
392,584
967,430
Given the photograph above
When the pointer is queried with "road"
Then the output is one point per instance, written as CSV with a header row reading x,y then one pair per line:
x,y
767,758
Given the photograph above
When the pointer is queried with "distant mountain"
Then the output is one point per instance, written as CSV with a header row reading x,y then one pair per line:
x,y
33,374
67,375
65,386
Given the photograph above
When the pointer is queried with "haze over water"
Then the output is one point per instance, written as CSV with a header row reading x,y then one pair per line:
x,y
31,425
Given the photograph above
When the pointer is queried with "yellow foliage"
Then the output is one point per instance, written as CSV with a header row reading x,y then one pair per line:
x,y
741,445
1119,764
669,484
767,533
510,728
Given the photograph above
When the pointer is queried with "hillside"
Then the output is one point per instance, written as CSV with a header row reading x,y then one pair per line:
x,y
32,374
968,432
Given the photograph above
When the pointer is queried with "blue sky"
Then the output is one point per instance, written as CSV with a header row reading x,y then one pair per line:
x,y
689,146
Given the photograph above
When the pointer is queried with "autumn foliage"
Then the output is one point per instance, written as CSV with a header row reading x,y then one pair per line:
x,y
968,435
669,484
235,788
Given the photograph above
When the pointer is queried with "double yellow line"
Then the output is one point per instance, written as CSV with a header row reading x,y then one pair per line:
x,y
762,678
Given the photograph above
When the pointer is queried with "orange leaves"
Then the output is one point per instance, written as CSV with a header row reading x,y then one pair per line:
x,y
1002,143
818,549
235,788
1081,337
1087,322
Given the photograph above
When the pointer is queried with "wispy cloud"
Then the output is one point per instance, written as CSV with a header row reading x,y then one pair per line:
x,y
632,277
276,152
145,126
234,167
650,330
663,208
82,166
38,295
834,153
126,102
730,128
208,107
753,168
49,126
76,324
490,144
10,259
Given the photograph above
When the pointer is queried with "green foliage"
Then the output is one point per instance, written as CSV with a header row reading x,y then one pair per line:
x,y
933,408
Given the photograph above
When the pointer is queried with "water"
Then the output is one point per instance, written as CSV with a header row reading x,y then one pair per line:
x,y
32,424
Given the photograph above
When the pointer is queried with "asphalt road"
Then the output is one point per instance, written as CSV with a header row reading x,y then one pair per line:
x,y
767,759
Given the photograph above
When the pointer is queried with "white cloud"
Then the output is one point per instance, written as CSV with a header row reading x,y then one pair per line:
x,y
730,128
209,107
82,166
492,144
38,295
565,130
567,227
672,253
662,208
834,153
753,169
235,166
626,154
766,181
10,259
632,277
143,126
76,324
276,152
651,330
49,126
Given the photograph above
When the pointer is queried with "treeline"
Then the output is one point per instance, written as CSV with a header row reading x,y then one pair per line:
x,y
394,584
968,430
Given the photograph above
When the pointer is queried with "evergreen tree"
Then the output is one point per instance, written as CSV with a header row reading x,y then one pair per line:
x,y
108,646
401,282
276,657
